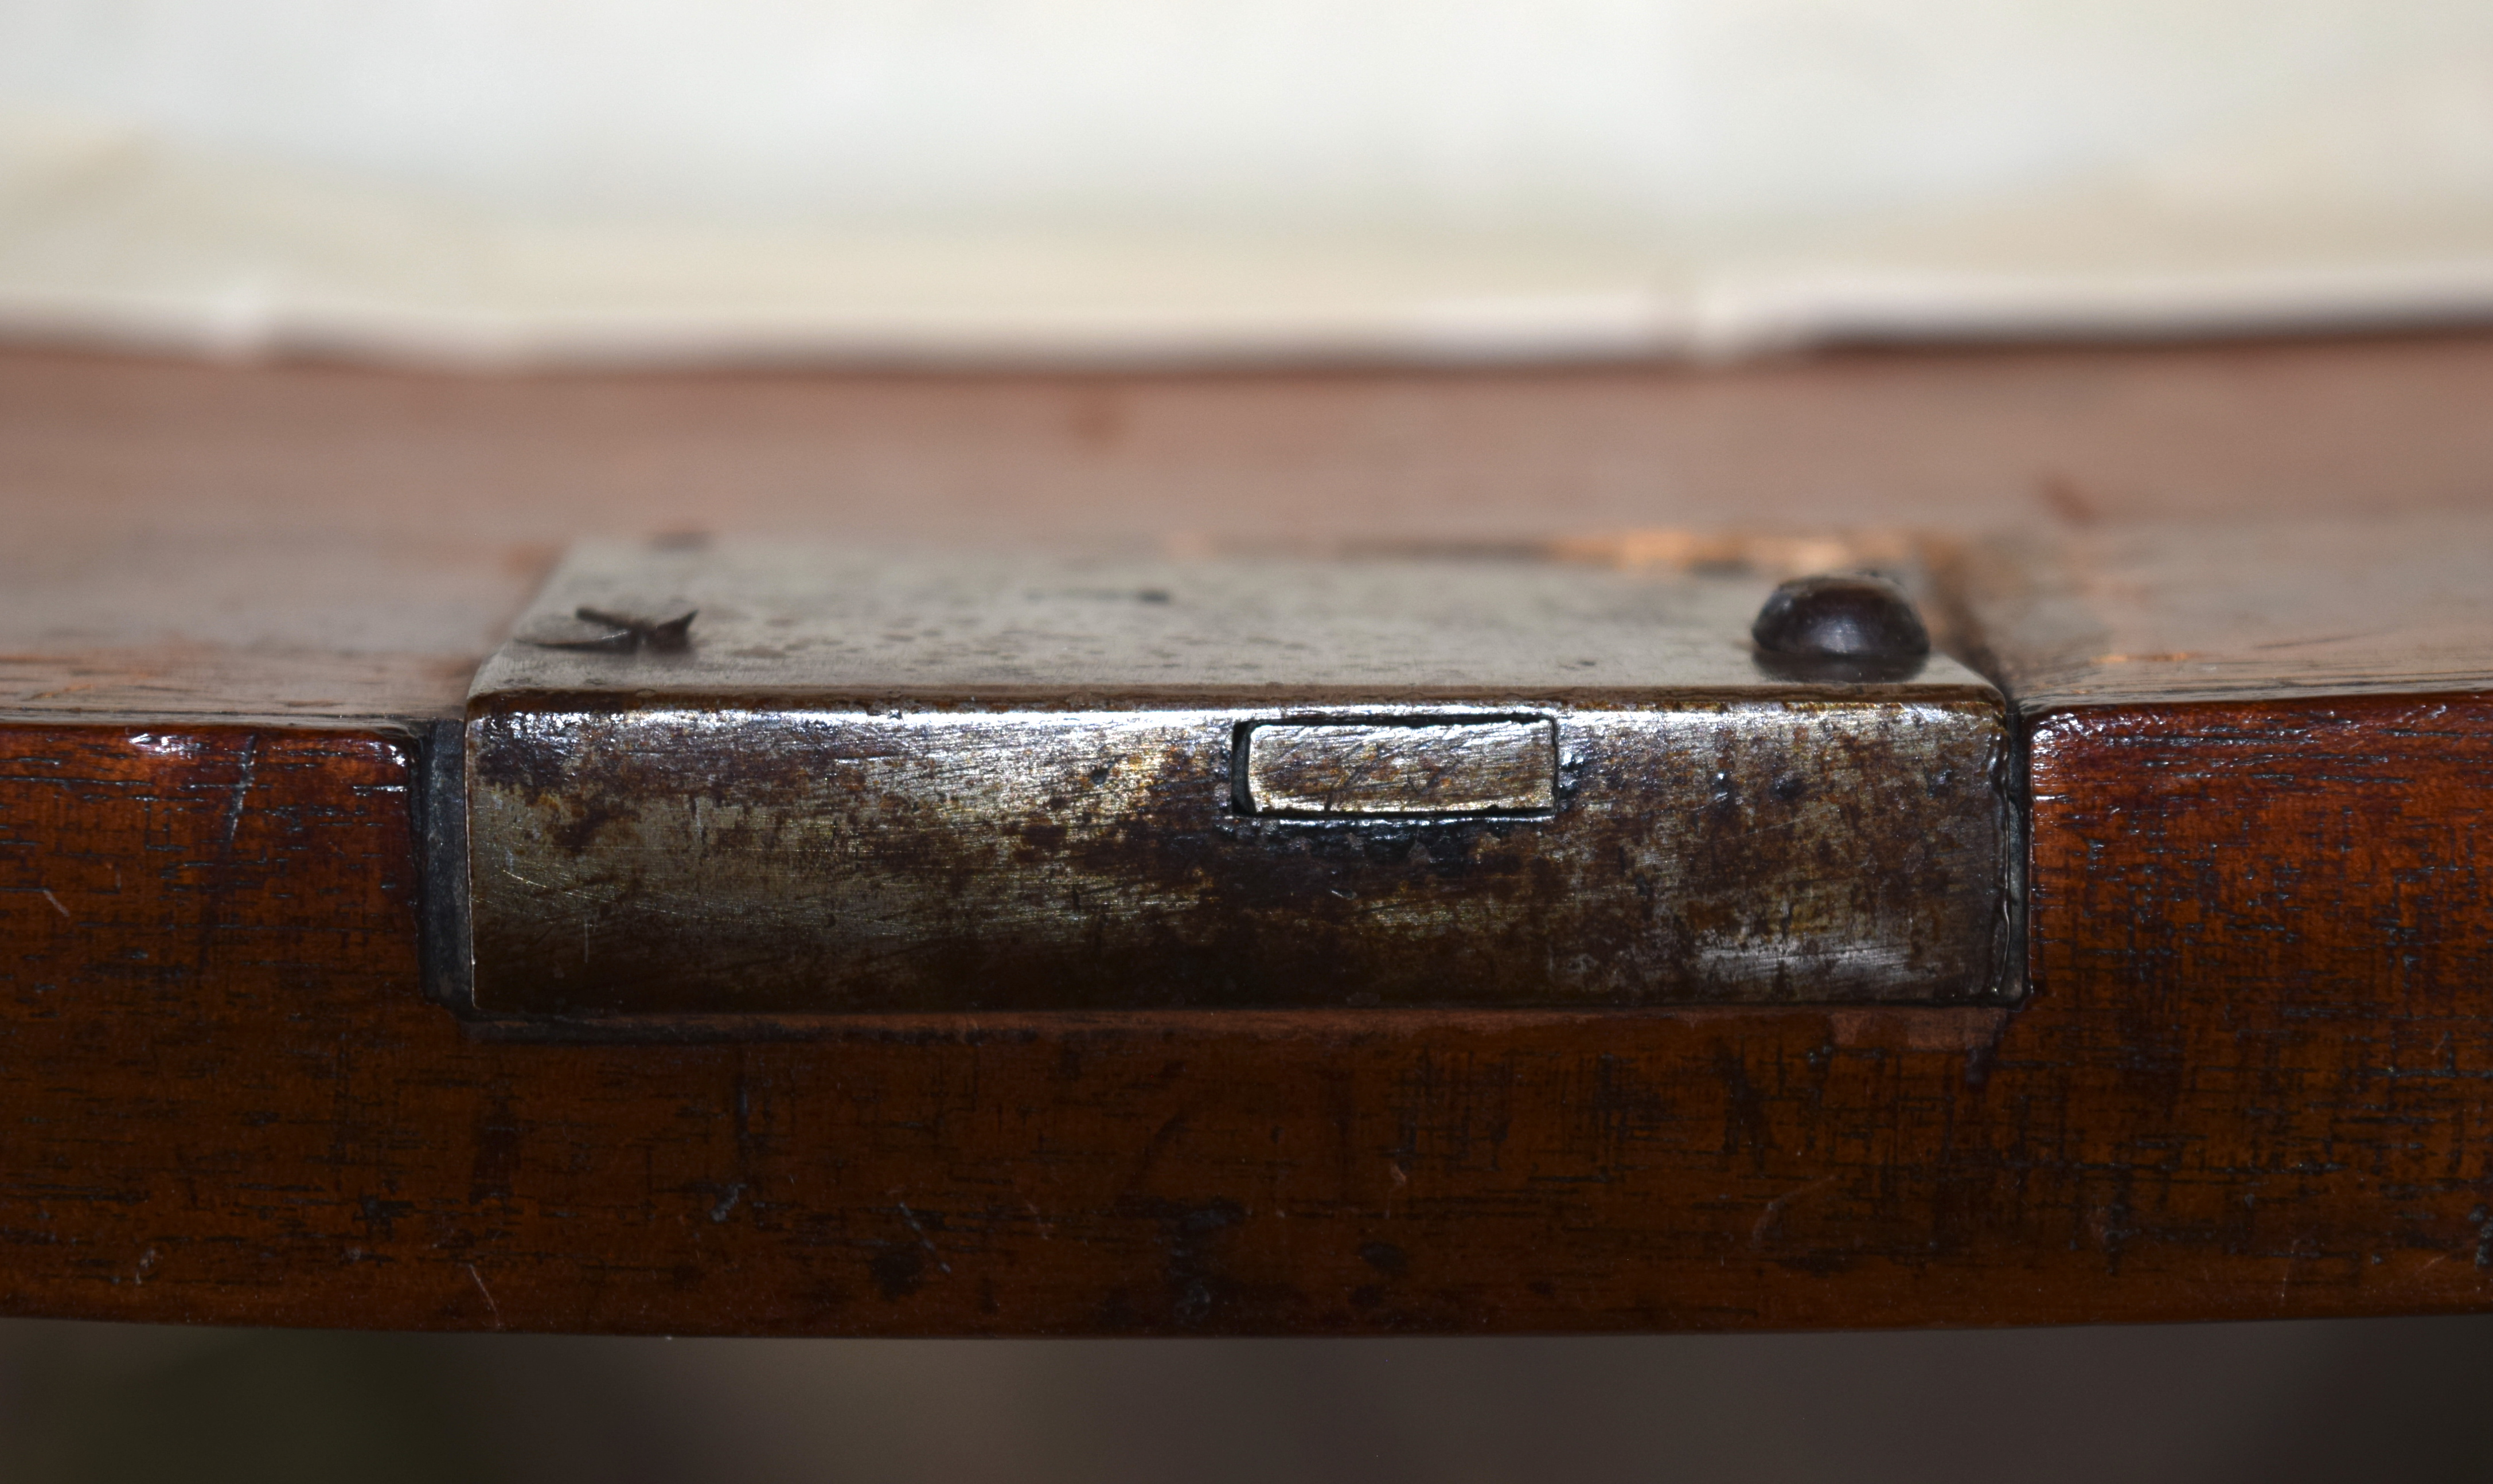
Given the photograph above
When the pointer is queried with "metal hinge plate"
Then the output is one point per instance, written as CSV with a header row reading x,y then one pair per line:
x,y
866,782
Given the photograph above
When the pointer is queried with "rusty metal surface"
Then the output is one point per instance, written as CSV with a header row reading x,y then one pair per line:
x,y
870,784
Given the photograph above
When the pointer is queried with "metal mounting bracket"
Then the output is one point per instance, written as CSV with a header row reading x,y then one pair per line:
x,y
749,780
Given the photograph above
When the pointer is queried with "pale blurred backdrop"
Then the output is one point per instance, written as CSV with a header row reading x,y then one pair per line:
x,y
546,181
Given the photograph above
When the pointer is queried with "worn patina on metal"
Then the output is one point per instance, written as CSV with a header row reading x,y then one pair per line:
x,y
872,782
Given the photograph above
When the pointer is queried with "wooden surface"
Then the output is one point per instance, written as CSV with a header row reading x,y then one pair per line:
x,y
310,540
228,1102
2159,613
2250,1079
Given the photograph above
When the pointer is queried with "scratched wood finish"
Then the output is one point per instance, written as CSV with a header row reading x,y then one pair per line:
x,y
2253,1081
2281,913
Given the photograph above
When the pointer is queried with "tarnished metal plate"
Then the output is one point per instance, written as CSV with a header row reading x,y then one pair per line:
x,y
872,784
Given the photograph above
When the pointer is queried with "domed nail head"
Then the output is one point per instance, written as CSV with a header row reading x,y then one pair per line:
x,y
1840,627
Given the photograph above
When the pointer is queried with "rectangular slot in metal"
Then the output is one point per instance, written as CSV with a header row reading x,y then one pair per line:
x,y
1391,767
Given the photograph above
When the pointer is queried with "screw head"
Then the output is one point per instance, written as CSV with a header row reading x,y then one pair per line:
x,y
1841,627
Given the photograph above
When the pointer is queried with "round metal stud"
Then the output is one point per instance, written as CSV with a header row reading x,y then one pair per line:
x,y
1841,627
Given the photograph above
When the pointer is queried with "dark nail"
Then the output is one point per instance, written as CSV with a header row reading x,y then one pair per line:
x,y
611,630
560,630
1841,627
668,627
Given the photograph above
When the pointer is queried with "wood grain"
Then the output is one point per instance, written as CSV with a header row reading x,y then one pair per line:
x,y
228,1101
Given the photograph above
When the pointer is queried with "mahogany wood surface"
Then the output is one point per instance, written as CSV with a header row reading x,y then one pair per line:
x,y
2250,1079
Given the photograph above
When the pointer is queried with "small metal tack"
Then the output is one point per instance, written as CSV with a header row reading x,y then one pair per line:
x,y
667,627
569,630
609,630
1840,626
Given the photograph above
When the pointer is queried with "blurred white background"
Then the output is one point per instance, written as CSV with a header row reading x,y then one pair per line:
x,y
653,178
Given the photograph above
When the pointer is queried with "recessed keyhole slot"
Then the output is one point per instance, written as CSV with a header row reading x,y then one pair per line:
x,y
1390,767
